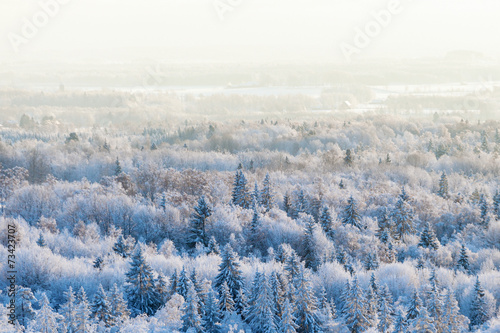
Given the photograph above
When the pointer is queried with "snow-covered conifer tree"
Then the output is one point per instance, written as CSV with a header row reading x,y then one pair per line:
x,y
428,238
230,273
443,186
69,311
191,318
100,308
142,294
46,320
197,226
266,196
351,214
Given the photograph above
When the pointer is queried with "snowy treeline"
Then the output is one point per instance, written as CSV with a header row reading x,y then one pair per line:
x,y
372,224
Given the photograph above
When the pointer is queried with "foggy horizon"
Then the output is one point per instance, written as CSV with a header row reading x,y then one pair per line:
x,y
245,31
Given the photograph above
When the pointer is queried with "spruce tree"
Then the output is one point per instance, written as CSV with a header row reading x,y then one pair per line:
x,y
69,311
288,320
212,318
400,323
374,283
255,195
182,283
478,311
226,302
98,263
371,262
258,312
277,293
443,186
463,260
301,205
453,321
240,196
230,273
372,306
348,159
117,306
305,303
266,196
292,267
414,307
194,279
309,245
287,205
402,217
254,292
191,318
213,246
118,167
434,299
484,142
173,282
351,215
100,309
384,225
355,312
241,302
403,195
84,324
142,294
162,288
197,228
121,248
496,205
46,320
24,300
385,319
325,221
163,201
41,241
254,238
423,323
428,238
484,208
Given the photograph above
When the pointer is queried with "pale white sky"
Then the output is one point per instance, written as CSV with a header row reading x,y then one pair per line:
x,y
260,30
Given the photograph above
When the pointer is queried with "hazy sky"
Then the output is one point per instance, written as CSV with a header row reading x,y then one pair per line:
x,y
245,30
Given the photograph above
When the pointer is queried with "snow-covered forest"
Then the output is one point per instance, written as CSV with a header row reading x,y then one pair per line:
x,y
317,223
